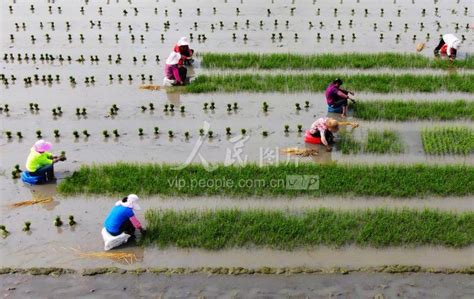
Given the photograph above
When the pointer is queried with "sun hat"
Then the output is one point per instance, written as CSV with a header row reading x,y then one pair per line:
x,y
456,44
42,146
131,201
173,58
183,41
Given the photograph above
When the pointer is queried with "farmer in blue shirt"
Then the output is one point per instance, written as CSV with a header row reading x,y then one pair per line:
x,y
121,218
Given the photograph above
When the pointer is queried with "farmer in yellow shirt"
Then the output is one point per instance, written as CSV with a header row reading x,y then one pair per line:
x,y
40,162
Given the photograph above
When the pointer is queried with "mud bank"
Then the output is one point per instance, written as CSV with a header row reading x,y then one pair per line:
x,y
149,285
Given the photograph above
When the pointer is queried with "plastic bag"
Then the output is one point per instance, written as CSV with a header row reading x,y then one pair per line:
x,y
113,241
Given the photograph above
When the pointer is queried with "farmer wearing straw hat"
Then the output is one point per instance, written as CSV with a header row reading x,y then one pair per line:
x,y
40,162
182,47
121,218
448,45
175,74
325,128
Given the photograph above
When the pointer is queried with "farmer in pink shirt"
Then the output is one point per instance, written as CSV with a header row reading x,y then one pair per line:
x,y
175,73
325,128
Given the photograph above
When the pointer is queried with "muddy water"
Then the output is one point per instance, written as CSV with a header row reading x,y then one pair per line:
x,y
360,285
47,245
258,37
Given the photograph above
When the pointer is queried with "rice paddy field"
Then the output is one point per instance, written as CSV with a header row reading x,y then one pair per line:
x,y
236,203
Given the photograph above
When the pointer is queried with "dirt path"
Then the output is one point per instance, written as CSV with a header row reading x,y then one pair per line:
x,y
354,285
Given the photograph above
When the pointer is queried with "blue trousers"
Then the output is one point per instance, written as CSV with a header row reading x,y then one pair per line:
x,y
46,173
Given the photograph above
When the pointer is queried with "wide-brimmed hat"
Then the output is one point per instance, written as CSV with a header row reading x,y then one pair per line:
x,y
42,146
173,58
131,201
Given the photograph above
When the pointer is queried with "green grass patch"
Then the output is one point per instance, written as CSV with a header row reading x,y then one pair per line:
x,y
448,140
376,142
413,110
281,230
382,83
271,180
328,61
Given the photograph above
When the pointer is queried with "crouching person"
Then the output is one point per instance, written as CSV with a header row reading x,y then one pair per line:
x,y
121,222
175,74
40,164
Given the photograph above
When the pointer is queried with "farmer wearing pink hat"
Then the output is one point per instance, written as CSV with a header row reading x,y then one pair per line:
x,y
40,162
182,47
121,218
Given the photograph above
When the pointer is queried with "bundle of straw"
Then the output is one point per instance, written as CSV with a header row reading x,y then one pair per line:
x,y
150,87
117,256
304,152
32,202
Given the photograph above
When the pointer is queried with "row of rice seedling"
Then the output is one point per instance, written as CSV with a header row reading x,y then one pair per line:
x,y
376,142
285,180
448,140
382,83
328,61
283,230
414,110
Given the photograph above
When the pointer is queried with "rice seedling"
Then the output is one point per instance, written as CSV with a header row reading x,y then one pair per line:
x,y
186,135
38,134
75,134
156,130
220,229
72,222
56,133
243,131
347,144
448,140
9,134
26,227
210,134
327,61
372,180
182,109
265,133
116,133
300,128
20,135
4,231
228,131
414,110
170,134
287,128
383,142
57,221
382,83
105,133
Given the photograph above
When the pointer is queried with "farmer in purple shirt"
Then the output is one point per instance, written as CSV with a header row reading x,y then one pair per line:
x,y
336,97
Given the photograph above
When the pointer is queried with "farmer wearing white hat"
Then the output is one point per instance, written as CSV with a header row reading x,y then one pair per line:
x,y
121,218
448,45
40,162
175,74
182,47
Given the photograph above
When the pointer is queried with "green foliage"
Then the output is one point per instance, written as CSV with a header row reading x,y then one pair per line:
x,y
328,61
270,181
282,230
414,110
448,140
376,142
382,83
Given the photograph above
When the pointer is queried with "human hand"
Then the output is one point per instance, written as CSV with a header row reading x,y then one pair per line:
x,y
143,231
328,148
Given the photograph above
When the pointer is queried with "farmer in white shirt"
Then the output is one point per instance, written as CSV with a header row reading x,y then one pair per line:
x,y
448,45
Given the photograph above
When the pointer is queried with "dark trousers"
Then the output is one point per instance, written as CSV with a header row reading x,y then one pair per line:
x,y
328,134
339,103
439,46
183,72
126,227
46,173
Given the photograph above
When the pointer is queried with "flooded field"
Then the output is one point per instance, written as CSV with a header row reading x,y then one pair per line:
x,y
111,47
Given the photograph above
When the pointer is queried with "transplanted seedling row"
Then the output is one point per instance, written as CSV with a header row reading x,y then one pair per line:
x,y
271,180
282,230
448,140
327,61
376,142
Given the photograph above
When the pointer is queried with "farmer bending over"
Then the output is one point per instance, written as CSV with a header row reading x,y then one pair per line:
x,y
40,162
121,218
448,45
182,47
325,128
336,97
175,74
